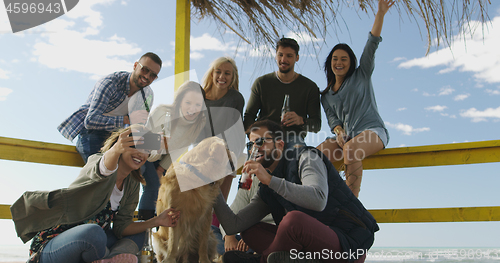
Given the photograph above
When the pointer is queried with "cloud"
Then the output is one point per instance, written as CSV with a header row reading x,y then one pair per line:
x,y
4,92
4,21
303,38
493,92
436,108
477,115
262,51
401,109
461,97
445,91
396,59
196,55
69,45
207,42
426,94
406,129
478,54
4,74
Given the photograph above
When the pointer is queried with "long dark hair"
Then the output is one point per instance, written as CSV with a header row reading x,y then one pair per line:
x,y
179,96
330,76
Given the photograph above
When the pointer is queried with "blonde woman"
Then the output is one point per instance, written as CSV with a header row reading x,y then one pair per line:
x,y
225,106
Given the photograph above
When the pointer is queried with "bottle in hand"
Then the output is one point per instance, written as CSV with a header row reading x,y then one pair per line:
x,y
286,106
246,179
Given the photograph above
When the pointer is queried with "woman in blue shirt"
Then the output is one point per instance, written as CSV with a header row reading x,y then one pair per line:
x,y
350,106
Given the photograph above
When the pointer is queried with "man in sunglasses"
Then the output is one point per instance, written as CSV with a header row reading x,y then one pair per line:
x,y
119,99
268,93
318,219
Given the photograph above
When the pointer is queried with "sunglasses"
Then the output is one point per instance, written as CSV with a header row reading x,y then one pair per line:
x,y
145,70
258,142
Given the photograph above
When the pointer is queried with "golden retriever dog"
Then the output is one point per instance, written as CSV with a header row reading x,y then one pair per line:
x,y
192,239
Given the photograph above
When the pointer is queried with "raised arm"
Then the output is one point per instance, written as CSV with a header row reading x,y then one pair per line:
x,y
383,7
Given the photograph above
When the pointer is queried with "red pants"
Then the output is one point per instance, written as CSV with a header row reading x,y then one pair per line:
x,y
297,232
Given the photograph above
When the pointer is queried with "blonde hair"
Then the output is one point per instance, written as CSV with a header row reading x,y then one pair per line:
x,y
113,138
207,78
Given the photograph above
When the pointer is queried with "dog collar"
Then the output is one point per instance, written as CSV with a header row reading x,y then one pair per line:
x,y
196,172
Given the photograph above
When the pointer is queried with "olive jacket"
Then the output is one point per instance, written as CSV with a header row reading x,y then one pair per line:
x,y
84,198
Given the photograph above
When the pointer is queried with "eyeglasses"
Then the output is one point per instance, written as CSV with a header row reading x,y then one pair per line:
x,y
146,71
259,142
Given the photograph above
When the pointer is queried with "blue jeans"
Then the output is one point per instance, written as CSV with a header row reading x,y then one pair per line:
x,y
82,243
90,142
218,237
150,190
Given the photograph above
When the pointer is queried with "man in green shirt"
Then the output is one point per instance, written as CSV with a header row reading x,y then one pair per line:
x,y
268,93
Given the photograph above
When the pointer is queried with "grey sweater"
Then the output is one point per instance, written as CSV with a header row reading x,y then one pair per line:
x,y
312,194
353,106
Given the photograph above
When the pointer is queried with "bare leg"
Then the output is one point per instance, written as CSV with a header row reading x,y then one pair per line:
x,y
331,149
357,149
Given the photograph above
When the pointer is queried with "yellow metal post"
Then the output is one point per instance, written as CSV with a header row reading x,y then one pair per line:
x,y
5,212
182,37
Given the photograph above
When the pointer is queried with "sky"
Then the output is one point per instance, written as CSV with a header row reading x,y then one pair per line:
x,y
450,95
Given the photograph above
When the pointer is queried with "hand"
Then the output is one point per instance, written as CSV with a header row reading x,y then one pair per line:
x,y
291,118
341,138
384,5
230,243
253,167
168,218
138,116
160,171
125,142
242,246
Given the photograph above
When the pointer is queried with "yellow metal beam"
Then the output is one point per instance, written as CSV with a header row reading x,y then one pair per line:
x,y
5,212
403,157
423,215
182,41
39,152
433,155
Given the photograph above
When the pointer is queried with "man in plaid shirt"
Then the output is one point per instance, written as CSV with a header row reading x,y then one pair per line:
x,y
113,103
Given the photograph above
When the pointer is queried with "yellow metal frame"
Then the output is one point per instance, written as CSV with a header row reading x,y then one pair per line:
x,y
403,157
39,152
182,41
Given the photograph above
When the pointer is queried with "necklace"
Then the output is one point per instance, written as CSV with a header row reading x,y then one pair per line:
x,y
288,82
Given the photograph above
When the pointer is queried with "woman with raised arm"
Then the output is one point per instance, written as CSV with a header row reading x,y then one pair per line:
x,y
350,106
73,224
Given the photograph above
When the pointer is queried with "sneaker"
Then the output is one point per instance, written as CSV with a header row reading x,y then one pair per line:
x,y
121,258
237,256
286,257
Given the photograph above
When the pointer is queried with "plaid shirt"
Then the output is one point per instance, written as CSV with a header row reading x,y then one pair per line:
x,y
107,95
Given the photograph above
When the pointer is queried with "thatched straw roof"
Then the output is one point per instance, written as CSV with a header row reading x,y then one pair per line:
x,y
261,21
